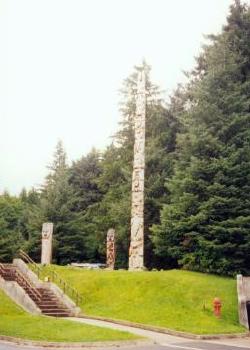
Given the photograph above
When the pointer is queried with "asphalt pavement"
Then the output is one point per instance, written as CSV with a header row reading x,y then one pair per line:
x,y
179,346
159,341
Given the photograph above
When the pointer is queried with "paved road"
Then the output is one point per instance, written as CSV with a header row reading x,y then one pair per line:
x,y
170,341
179,346
160,341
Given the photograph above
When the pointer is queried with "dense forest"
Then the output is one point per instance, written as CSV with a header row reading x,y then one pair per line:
x,y
197,202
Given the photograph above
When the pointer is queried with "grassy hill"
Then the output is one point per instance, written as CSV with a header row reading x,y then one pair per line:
x,y
179,300
17,323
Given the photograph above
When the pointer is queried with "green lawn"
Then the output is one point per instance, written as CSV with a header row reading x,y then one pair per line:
x,y
179,300
17,323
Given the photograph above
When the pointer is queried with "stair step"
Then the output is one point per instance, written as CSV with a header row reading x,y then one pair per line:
x,y
42,302
55,310
58,304
56,314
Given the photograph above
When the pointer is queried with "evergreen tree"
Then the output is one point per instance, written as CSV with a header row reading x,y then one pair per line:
x,y
114,210
206,224
10,227
84,175
31,222
58,201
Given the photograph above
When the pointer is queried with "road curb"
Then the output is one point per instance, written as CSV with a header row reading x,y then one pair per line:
x,y
75,345
169,331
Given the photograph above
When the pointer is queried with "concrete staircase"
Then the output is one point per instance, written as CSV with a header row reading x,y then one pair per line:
x,y
51,306
45,299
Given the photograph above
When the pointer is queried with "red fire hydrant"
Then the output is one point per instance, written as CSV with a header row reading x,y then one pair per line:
x,y
217,307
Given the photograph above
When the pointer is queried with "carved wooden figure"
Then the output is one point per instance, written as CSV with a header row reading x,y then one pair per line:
x,y
136,250
47,232
110,263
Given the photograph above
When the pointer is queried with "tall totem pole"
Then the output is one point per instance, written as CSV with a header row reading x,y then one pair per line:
x,y
136,250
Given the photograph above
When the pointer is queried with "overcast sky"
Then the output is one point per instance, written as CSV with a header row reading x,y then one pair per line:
x,y
62,63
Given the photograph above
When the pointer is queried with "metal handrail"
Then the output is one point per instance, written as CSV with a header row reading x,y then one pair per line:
x,y
28,259
33,290
2,269
67,289
54,277
19,276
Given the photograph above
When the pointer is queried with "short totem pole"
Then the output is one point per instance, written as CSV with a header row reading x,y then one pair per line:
x,y
110,263
47,232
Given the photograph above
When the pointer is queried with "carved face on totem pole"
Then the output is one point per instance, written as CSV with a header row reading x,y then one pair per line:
x,y
47,230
